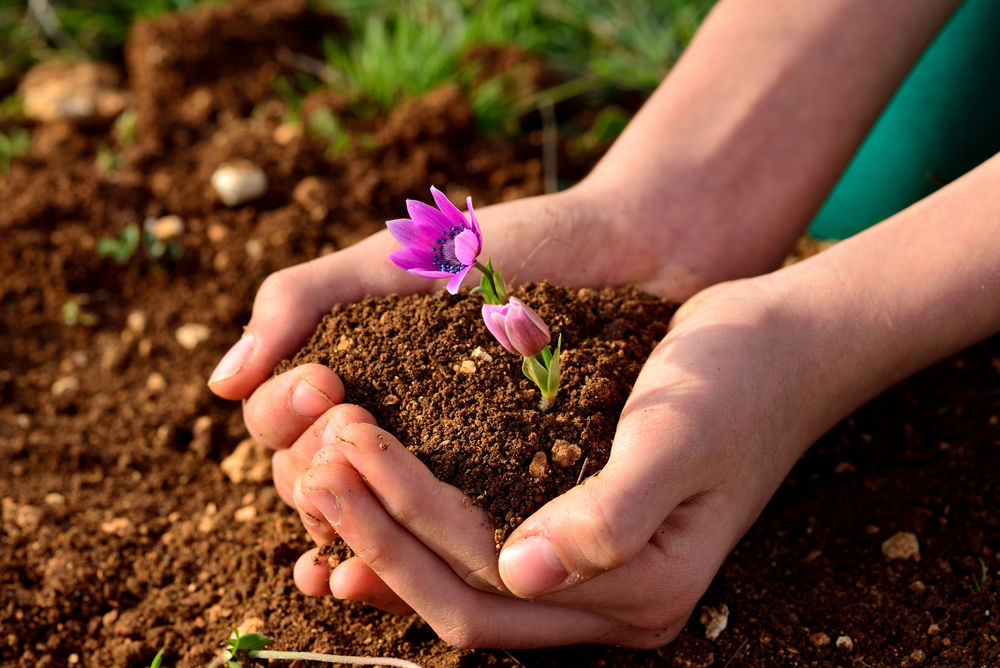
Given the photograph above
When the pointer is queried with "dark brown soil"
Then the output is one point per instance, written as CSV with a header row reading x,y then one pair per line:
x,y
478,426
120,532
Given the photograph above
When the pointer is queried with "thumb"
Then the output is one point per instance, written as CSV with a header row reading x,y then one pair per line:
x,y
605,522
291,302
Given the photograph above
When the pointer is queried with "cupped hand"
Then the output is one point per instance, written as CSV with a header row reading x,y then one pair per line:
x,y
532,239
719,414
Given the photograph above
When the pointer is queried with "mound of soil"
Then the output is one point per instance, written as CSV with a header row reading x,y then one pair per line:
x,y
121,534
429,371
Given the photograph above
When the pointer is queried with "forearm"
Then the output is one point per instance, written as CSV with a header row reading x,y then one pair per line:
x,y
903,294
751,129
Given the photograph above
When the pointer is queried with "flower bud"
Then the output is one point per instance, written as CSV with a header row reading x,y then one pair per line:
x,y
518,328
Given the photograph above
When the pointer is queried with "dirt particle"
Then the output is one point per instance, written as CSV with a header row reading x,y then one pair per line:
x,y
819,639
539,465
65,387
55,499
136,322
845,643
201,432
156,383
902,545
167,227
20,518
564,453
845,467
239,182
191,335
466,367
933,630
71,92
481,355
245,514
249,461
119,526
714,619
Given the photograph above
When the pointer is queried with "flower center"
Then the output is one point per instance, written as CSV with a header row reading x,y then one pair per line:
x,y
445,258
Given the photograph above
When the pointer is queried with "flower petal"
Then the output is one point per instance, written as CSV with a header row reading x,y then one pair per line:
x,y
526,330
455,217
423,273
430,221
466,247
407,233
474,224
493,316
413,257
456,280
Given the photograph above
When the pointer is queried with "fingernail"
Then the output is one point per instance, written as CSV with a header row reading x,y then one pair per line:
x,y
326,502
235,359
308,402
531,567
301,503
330,432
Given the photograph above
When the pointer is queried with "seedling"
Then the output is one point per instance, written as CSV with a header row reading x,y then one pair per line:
x,y
243,650
15,143
157,660
122,249
976,582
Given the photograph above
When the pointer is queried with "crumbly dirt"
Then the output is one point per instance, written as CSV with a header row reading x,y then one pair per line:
x,y
429,371
121,535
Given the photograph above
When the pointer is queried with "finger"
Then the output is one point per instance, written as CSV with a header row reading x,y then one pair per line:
x,y
285,406
290,464
654,466
353,580
461,615
439,515
291,302
312,574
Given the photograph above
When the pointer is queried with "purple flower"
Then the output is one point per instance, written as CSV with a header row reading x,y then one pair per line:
x,y
518,329
437,243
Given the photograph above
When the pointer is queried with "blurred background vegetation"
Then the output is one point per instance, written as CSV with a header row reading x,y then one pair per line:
x,y
394,49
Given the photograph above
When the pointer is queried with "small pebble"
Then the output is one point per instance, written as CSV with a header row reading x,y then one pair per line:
x,y
239,182
845,643
714,619
167,227
191,335
245,514
481,354
217,232
119,526
902,545
564,453
254,249
65,387
156,383
539,465
136,322
819,639
467,366
250,461
201,433
933,630
55,499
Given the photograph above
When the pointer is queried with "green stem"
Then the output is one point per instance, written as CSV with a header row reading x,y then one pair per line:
x,y
331,658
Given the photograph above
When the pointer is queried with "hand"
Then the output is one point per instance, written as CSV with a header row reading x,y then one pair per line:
x,y
535,238
723,408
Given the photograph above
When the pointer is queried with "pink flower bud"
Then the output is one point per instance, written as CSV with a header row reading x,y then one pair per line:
x,y
518,328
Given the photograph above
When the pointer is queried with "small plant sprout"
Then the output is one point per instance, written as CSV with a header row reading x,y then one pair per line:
x,y
977,581
244,650
443,243
157,660
522,331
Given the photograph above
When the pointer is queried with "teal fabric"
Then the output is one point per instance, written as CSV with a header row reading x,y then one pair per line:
x,y
943,121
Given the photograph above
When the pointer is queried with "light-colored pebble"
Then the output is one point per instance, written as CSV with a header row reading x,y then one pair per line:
x,y
845,643
239,182
59,91
119,526
250,461
467,366
714,619
539,465
564,453
65,387
245,514
136,322
254,249
55,499
156,383
902,545
819,639
481,354
167,227
20,517
217,232
191,335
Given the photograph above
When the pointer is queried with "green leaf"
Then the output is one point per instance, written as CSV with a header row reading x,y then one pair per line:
x,y
251,642
157,660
